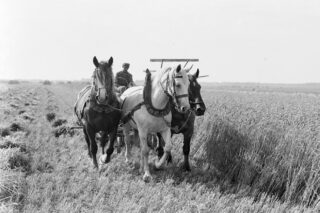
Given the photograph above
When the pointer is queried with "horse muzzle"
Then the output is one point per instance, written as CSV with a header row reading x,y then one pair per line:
x,y
182,103
198,107
199,110
182,109
101,96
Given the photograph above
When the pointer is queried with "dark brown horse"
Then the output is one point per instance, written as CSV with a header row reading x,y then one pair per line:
x,y
184,122
97,109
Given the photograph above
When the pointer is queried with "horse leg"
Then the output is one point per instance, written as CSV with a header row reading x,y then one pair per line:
x,y
126,130
93,145
186,150
87,140
118,138
110,149
120,142
159,148
166,135
144,155
103,140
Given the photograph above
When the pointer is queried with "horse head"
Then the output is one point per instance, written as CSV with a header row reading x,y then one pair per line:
x,y
180,85
103,80
195,97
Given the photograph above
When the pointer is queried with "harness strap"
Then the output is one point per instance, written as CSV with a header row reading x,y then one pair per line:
x,y
176,129
196,102
165,90
129,115
182,96
147,98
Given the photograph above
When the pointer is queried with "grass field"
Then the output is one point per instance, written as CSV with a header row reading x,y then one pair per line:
x,y
256,149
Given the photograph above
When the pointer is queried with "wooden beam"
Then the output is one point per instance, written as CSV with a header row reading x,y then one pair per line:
x,y
186,64
174,60
203,76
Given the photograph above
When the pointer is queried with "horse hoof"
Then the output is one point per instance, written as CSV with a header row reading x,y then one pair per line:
x,y
157,164
187,169
95,166
154,165
128,161
147,178
102,159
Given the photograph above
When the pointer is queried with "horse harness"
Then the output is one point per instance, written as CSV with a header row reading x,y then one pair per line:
x,y
100,107
173,99
176,129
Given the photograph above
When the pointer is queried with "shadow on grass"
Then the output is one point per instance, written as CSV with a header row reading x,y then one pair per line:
x,y
246,163
231,161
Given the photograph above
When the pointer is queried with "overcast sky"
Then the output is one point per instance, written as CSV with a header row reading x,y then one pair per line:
x,y
275,41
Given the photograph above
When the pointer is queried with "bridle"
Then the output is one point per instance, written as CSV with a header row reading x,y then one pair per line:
x,y
98,90
171,93
193,104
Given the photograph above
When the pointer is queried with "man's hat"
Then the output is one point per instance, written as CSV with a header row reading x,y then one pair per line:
x,y
125,65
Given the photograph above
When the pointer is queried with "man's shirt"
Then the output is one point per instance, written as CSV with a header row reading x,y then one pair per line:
x,y
123,78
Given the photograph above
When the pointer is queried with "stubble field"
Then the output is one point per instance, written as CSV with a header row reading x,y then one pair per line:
x,y
256,149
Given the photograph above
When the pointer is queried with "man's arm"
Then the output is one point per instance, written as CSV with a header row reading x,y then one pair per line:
x,y
131,81
116,79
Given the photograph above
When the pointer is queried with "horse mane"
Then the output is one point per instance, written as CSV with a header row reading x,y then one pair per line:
x,y
148,79
147,97
111,87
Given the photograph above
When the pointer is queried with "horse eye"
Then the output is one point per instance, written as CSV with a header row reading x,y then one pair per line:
x,y
178,85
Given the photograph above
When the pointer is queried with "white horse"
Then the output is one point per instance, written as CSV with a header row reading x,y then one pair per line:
x,y
148,110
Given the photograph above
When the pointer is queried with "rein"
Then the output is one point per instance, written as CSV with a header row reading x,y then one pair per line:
x,y
96,106
176,128
112,107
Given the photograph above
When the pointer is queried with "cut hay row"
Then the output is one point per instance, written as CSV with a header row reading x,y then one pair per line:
x,y
16,117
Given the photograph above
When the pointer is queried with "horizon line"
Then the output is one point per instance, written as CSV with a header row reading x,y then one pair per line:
x,y
139,80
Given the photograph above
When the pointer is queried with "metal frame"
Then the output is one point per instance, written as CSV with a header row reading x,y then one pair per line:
x,y
174,60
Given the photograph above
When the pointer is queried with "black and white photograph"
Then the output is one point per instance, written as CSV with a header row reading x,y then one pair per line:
x,y
160,106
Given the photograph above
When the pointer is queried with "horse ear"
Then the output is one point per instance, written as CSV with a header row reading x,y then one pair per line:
x,y
110,62
95,62
179,68
196,75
